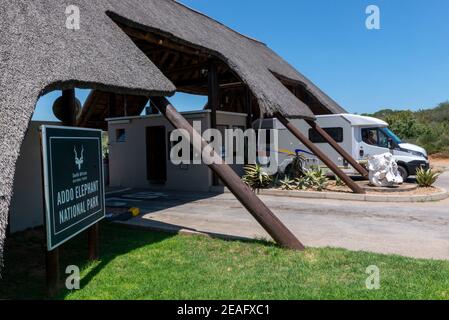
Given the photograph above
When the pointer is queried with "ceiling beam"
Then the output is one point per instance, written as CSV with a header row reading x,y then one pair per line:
x,y
161,41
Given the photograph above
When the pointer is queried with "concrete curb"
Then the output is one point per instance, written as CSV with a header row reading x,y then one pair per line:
x,y
438,196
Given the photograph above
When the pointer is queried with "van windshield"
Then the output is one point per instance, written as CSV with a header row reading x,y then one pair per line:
x,y
391,135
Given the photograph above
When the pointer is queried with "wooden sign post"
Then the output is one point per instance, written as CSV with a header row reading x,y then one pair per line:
x,y
74,195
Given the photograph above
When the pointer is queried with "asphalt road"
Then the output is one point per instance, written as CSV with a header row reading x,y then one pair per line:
x,y
418,230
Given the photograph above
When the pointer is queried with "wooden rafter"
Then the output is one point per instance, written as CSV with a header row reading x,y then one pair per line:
x,y
162,41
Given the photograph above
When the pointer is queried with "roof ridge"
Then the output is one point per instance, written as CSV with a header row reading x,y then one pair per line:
x,y
219,22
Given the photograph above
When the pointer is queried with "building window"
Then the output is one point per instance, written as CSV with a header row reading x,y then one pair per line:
x,y
335,133
120,135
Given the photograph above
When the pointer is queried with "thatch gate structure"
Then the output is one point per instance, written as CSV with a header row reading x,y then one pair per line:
x,y
129,51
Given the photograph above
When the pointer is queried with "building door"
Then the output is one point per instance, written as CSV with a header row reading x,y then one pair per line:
x,y
156,155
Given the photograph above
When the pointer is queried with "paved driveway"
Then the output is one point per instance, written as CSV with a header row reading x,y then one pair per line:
x,y
417,230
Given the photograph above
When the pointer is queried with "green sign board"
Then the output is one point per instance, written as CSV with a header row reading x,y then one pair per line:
x,y
73,179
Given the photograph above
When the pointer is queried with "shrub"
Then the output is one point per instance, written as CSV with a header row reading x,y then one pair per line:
x,y
426,178
320,180
427,128
313,179
339,182
256,177
287,184
303,183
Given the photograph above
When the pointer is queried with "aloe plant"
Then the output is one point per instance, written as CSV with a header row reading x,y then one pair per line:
x,y
256,177
287,184
426,178
313,179
339,182
321,181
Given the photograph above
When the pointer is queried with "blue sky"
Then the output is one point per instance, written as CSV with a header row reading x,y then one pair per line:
x,y
405,65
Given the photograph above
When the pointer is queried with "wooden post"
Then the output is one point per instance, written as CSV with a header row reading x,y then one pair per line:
x,y
316,151
52,272
248,108
92,234
275,228
93,240
125,105
151,109
112,105
213,101
69,106
51,257
338,148
213,92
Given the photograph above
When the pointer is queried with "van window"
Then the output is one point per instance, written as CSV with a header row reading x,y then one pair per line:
x,y
375,137
335,133
383,139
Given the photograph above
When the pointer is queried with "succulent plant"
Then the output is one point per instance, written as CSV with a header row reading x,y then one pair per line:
x,y
426,178
256,177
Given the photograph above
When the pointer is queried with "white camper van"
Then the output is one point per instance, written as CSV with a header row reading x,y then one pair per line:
x,y
360,136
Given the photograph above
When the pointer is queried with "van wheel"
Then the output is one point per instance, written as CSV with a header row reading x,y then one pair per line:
x,y
403,172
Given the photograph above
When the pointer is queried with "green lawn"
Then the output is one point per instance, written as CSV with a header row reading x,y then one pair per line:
x,y
146,265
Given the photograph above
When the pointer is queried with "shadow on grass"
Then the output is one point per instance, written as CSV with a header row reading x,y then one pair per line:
x,y
24,270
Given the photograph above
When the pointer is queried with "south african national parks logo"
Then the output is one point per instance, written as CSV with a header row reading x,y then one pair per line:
x,y
79,160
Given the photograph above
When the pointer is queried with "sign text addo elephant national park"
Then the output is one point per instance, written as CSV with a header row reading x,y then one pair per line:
x,y
73,178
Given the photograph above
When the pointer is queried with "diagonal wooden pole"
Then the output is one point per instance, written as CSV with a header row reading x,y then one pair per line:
x,y
338,148
275,228
316,151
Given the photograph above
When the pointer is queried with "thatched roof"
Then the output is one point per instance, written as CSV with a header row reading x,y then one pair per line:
x,y
251,60
96,108
39,54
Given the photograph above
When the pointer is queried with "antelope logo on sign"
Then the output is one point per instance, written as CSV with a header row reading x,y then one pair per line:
x,y
79,161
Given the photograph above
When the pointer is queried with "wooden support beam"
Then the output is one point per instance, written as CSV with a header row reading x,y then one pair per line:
x,y
69,107
184,69
52,272
232,85
152,108
248,108
193,90
338,148
213,93
162,41
275,228
112,105
175,59
316,151
88,109
93,239
164,59
213,102
125,105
